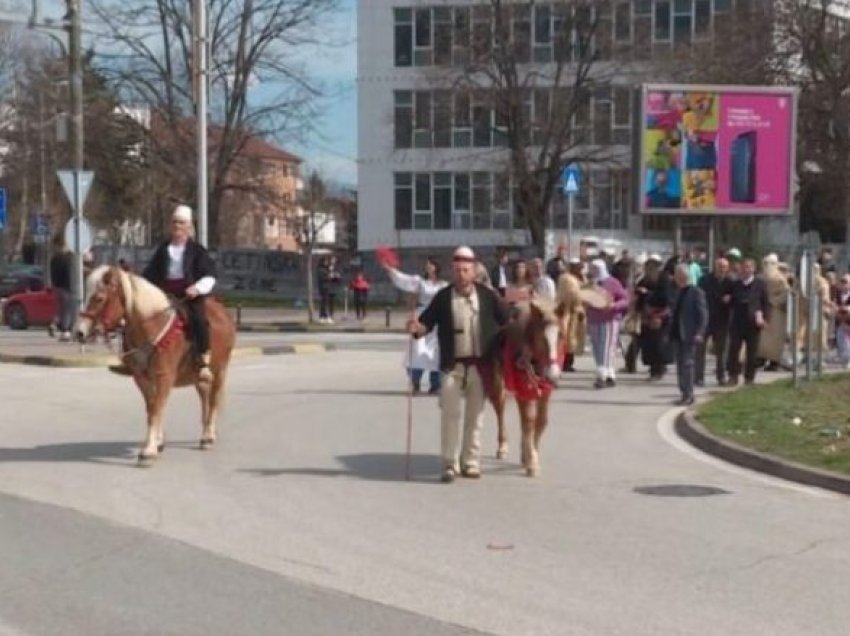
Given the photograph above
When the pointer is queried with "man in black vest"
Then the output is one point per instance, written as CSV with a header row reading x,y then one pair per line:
x,y
687,329
183,268
750,313
717,286
468,316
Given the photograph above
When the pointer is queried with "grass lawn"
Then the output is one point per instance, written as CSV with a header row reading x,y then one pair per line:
x,y
763,418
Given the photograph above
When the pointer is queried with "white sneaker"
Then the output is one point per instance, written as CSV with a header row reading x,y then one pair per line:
x,y
65,336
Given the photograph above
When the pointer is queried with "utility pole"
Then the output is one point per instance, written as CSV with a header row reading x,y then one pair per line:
x,y
75,67
200,57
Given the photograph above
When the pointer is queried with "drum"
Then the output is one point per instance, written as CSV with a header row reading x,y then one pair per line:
x,y
595,297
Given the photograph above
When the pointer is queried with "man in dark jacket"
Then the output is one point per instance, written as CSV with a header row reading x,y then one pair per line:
x,y
687,329
60,278
468,316
500,274
717,287
750,313
183,268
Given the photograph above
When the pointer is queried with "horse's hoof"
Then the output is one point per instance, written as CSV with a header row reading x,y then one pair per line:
x,y
146,461
502,453
532,471
207,444
160,448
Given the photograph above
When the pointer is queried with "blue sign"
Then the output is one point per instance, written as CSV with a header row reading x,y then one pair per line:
x,y
571,178
2,208
40,226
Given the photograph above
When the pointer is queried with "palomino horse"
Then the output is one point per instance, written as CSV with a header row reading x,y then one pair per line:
x,y
528,368
156,348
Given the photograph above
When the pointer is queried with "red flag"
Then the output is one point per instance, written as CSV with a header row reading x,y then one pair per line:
x,y
386,256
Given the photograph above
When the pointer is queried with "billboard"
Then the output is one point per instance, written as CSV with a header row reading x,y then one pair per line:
x,y
716,150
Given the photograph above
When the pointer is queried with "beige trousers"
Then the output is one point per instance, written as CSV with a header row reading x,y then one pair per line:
x,y
453,392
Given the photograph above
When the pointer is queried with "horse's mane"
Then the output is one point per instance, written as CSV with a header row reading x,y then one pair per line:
x,y
139,294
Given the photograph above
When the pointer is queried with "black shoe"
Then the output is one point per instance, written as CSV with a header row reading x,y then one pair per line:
x,y
733,380
610,382
685,401
417,389
599,384
722,381
699,383
448,476
434,390
772,367
570,369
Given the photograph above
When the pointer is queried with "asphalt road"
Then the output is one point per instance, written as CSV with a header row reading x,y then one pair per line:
x,y
302,514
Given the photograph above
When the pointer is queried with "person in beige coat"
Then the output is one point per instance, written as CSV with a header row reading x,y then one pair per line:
x,y
573,316
772,342
823,291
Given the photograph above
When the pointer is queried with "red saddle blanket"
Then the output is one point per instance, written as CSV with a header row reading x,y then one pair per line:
x,y
524,386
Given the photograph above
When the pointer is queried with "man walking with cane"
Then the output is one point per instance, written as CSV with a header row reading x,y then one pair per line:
x,y
468,316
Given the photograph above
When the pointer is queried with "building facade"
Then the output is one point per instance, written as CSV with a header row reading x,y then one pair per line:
x,y
432,163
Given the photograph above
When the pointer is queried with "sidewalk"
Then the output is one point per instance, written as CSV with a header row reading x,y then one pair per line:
x,y
285,319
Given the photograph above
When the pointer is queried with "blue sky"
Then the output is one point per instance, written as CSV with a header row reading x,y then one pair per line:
x,y
333,150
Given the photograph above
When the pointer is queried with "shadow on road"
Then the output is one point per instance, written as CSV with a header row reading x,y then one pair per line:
x,y
368,466
93,452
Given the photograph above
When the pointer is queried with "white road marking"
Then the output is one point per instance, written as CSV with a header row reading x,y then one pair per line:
x,y
666,429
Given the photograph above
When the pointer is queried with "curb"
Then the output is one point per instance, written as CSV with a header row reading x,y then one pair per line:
x,y
689,429
103,361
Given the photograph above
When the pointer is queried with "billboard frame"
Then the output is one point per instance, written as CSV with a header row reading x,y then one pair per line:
x,y
640,127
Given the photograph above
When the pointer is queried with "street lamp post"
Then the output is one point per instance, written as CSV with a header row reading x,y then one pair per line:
x,y
75,67
199,33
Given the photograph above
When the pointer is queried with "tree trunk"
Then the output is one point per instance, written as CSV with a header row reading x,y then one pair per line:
x,y
308,260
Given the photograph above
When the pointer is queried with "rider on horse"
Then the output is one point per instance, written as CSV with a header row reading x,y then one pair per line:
x,y
181,267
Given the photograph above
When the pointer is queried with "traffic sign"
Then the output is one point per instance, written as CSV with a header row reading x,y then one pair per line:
x,y
85,234
571,178
2,208
40,227
78,192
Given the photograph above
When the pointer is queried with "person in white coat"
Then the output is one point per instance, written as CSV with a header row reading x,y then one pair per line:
x,y
426,350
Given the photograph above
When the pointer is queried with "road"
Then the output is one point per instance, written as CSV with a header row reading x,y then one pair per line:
x,y
301,522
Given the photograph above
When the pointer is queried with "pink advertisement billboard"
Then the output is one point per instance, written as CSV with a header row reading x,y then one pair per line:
x,y
717,150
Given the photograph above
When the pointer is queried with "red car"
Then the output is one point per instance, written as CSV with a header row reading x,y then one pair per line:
x,y
29,308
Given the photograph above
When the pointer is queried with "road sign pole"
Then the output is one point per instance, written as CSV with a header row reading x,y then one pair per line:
x,y
78,253
570,201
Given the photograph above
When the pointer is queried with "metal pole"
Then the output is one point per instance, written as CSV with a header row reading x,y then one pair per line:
x,y
75,63
820,333
201,116
794,308
570,200
810,310
677,234
712,240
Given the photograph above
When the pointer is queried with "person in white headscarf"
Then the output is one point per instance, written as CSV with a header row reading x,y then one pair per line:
x,y
604,322
773,336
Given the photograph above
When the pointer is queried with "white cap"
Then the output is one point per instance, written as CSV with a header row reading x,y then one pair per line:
x,y
733,252
771,259
464,254
609,251
182,213
640,259
575,260
654,257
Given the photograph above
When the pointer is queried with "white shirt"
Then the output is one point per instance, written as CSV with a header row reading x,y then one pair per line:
x,y
465,310
424,289
175,269
503,279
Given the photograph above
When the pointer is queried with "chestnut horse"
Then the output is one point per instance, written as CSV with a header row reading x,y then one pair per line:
x,y
156,348
528,368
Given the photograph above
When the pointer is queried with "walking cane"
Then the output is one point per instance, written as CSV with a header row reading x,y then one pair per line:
x,y
409,411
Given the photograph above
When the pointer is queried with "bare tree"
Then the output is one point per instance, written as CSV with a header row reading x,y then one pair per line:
x,y
315,216
814,53
251,42
540,106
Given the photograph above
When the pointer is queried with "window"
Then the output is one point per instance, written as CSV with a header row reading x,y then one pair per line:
x,y
662,21
422,120
422,49
462,26
583,36
482,34
682,22
722,6
443,27
442,119
403,119
403,37
422,195
623,22
481,199
643,7
522,33
542,34
602,117
562,33
482,126
403,201
702,20
442,200
622,116
462,132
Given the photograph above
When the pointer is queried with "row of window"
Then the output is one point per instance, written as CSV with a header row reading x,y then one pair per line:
x,y
487,200
451,119
550,32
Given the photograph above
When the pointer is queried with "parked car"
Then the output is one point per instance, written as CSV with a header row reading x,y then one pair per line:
x,y
21,279
30,309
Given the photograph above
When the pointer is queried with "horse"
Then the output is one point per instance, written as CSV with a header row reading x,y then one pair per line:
x,y
156,347
528,367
